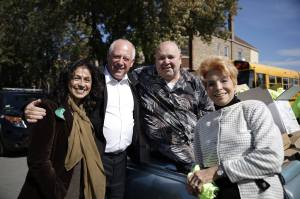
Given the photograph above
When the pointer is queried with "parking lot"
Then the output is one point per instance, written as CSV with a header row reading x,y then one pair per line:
x,y
12,175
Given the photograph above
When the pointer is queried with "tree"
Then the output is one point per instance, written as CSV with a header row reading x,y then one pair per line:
x,y
37,38
181,20
29,42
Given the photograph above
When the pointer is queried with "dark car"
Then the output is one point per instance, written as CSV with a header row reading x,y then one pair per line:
x,y
151,177
158,179
13,130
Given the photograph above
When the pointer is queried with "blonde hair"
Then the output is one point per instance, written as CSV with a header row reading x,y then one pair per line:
x,y
217,63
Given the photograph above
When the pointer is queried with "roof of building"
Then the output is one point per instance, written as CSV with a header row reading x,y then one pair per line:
x,y
243,42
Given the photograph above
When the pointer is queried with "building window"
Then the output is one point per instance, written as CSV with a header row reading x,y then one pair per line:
x,y
226,49
240,54
218,49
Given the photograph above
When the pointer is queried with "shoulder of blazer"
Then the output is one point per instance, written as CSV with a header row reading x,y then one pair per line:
x,y
51,106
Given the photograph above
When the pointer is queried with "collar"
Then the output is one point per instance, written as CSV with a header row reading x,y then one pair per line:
x,y
234,100
155,74
109,78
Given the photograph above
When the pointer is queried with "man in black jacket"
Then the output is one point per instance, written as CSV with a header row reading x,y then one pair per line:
x,y
171,101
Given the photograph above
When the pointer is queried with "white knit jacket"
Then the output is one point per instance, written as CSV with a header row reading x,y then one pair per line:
x,y
249,147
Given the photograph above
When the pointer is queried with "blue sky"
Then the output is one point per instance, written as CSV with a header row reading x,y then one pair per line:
x,y
273,27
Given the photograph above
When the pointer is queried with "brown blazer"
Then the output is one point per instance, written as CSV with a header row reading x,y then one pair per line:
x,y
47,176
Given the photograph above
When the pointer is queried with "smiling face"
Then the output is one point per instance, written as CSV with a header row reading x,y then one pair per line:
x,y
168,61
120,58
80,84
220,87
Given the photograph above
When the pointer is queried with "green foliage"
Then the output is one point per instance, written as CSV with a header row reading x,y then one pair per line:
x,y
37,38
177,20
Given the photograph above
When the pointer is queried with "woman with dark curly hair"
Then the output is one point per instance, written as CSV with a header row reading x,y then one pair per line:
x,y
64,161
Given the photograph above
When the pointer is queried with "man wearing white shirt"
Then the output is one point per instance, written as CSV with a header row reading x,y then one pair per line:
x,y
118,123
118,115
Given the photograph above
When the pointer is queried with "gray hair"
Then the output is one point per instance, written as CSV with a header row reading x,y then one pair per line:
x,y
112,46
167,42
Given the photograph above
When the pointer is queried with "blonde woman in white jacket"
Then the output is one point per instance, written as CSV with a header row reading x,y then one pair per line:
x,y
238,146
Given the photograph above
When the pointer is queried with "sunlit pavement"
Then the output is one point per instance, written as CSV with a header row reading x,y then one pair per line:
x,y
12,175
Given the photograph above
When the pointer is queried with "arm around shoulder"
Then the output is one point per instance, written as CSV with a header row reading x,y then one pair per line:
x,y
33,112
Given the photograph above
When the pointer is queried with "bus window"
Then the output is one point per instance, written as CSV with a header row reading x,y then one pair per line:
x,y
279,82
285,83
296,82
246,77
291,82
260,80
272,81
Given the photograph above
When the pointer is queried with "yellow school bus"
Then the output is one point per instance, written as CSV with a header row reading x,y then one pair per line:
x,y
264,76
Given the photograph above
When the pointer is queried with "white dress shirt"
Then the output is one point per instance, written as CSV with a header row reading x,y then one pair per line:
x,y
118,122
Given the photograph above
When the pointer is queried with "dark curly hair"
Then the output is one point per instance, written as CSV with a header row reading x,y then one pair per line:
x,y
61,91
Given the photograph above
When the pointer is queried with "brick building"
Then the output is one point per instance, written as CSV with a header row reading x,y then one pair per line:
x,y
235,49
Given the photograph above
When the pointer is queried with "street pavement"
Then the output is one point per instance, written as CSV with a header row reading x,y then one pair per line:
x,y
13,171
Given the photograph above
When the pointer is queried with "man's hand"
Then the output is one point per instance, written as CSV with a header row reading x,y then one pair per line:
x,y
193,185
197,178
33,113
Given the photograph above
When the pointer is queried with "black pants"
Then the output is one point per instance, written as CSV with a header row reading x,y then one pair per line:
x,y
227,189
115,171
